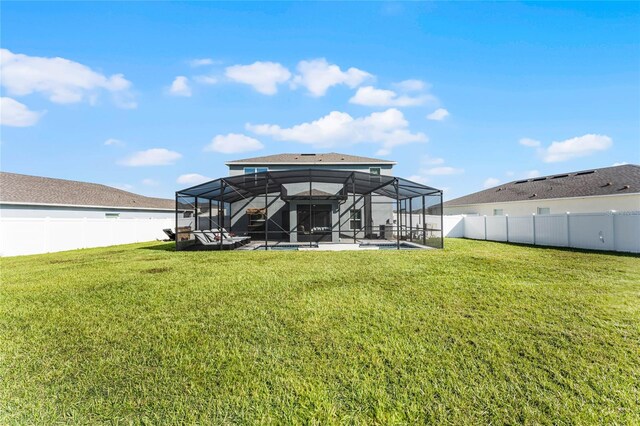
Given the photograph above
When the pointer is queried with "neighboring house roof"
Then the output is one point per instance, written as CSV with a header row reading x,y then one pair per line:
x,y
615,180
24,189
306,159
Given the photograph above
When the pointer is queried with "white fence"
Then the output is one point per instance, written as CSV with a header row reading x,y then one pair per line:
x,y
593,231
20,236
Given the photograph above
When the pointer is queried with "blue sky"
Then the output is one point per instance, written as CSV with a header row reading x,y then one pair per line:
x,y
512,89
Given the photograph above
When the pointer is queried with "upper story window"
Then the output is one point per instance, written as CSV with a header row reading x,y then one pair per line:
x,y
374,170
112,215
544,210
252,170
498,212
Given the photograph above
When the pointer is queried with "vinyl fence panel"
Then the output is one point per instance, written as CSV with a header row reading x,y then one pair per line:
x,y
591,231
474,227
552,230
521,229
496,228
20,236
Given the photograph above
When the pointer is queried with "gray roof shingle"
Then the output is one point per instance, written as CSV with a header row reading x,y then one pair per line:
x,y
623,179
328,158
26,189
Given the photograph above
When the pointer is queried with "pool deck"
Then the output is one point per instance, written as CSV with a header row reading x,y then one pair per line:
x,y
360,245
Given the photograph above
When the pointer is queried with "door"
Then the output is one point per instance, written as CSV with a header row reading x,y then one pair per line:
x,y
314,222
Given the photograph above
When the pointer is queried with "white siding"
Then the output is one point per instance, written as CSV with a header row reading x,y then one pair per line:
x,y
619,203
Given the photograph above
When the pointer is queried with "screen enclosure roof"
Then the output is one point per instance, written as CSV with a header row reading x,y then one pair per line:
x,y
235,188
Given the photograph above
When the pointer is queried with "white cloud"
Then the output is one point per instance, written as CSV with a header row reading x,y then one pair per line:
x,y
200,62
205,79
317,76
16,114
61,80
490,182
114,142
192,179
619,164
580,146
180,86
264,77
122,186
432,161
150,182
532,174
419,179
370,96
233,143
438,115
387,129
569,149
151,157
411,85
532,143
442,171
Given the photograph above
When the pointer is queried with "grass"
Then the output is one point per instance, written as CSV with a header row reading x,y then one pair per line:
x,y
478,333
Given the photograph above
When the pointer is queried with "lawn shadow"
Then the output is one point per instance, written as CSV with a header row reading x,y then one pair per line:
x,y
569,249
170,246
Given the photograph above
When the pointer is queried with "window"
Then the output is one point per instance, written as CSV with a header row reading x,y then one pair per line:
x,y
356,219
112,215
252,170
374,170
498,212
544,210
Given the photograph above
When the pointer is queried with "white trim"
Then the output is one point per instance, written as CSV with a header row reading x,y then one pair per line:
x,y
78,206
541,199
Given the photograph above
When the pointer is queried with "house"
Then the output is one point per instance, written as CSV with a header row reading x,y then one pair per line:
x,y
25,196
40,215
606,189
311,197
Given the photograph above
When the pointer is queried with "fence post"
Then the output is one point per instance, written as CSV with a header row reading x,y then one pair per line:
x,y
613,230
534,228
506,218
568,229
485,227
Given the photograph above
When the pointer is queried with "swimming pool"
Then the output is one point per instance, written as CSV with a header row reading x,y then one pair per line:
x,y
286,247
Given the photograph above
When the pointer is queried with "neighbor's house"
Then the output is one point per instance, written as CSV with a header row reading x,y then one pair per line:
x,y
40,214
589,191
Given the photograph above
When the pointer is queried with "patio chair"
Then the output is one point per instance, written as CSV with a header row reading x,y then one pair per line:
x,y
205,241
169,232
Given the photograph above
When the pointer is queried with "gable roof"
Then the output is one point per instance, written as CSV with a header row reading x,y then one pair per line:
x,y
616,180
25,189
306,159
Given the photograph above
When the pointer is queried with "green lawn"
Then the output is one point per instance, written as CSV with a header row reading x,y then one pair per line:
x,y
478,333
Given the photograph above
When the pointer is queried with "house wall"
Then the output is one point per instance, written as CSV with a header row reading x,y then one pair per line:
x,y
381,212
620,203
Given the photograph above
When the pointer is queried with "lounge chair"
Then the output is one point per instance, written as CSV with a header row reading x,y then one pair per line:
x,y
215,235
169,232
206,242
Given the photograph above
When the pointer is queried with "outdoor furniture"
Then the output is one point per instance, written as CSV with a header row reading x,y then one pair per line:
x,y
205,242
216,236
169,232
